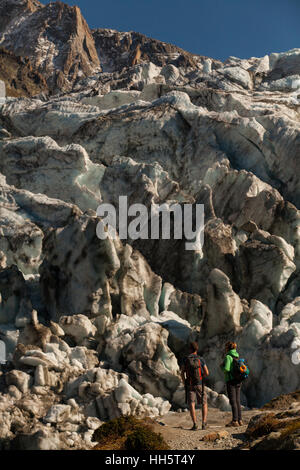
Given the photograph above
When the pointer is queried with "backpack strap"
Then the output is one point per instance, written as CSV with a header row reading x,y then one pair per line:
x,y
200,368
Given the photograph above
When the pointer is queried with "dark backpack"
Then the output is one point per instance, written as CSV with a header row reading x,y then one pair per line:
x,y
239,370
193,368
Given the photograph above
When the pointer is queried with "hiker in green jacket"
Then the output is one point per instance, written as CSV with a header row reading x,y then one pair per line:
x,y
233,388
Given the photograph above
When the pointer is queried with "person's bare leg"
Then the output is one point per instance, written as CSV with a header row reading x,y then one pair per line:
x,y
193,412
204,413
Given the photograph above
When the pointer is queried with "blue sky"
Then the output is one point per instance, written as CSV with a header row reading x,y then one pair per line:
x,y
215,28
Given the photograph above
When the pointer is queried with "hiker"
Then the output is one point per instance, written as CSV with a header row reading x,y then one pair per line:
x,y
233,385
193,371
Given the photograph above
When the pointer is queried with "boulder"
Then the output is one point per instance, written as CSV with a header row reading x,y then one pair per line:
x,y
77,326
19,379
58,414
43,439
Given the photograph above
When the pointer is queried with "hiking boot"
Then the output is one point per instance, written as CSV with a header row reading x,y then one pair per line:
x,y
232,424
204,425
194,427
241,423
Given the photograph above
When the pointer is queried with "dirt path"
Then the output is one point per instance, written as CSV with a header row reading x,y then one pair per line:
x,y
175,428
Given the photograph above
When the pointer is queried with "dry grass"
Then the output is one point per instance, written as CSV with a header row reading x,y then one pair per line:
x,y
283,401
264,426
128,433
267,424
290,428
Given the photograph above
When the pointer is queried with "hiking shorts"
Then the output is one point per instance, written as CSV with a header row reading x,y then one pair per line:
x,y
196,391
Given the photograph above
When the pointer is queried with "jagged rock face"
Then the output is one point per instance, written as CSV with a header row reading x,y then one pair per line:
x,y
20,78
31,28
159,126
13,9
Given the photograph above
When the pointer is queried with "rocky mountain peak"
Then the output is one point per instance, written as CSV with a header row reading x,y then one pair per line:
x,y
12,11
60,45
120,49
55,37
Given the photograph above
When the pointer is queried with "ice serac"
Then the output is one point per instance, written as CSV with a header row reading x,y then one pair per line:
x,y
95,328
224,307
77,268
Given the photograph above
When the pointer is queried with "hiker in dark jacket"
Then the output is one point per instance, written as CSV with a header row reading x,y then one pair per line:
x,y
233,388
193,371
